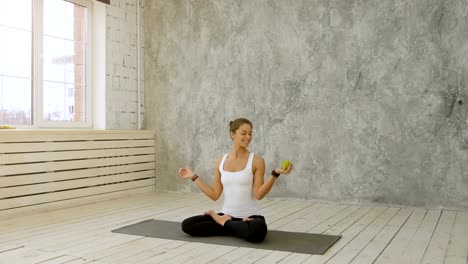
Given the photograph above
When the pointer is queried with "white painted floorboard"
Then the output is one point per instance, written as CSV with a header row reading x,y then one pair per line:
x,y
378,234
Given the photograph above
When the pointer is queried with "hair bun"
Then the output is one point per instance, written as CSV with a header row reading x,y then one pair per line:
x,y
230,123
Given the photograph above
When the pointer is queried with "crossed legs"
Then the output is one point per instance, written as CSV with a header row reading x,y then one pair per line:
x,y
212,224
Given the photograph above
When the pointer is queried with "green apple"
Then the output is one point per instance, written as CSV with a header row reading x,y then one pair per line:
x,y
285,164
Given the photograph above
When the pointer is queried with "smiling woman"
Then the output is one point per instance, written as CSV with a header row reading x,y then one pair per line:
x,y
44,68
239,174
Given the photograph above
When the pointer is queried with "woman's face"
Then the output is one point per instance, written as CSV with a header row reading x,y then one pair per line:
x,y
243,135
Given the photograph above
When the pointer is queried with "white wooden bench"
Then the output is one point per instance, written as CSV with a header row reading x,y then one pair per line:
x,y
43,170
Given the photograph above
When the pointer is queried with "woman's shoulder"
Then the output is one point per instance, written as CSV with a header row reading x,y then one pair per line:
x,y
258,158
219,159
258,164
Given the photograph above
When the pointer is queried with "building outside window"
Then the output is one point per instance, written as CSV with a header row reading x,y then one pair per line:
x,y
44,63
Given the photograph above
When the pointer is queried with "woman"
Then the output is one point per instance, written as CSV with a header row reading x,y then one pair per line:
x,y
240,174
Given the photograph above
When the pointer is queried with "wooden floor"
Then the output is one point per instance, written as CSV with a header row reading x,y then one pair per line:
x,y
369,234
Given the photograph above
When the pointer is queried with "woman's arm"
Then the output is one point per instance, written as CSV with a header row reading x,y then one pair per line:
x,y
214,191
261,187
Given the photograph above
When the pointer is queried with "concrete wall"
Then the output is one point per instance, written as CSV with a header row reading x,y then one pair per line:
x,y
122,65
369,99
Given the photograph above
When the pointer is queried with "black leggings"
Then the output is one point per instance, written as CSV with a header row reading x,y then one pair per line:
x,y
204,225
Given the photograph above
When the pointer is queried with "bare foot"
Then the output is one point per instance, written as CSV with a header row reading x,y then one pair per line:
x,y
220,219
209,212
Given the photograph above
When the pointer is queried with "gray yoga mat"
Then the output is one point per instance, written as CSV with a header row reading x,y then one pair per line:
x,y
275,240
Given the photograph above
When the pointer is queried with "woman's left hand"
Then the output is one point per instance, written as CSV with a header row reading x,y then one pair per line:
x,y
285,171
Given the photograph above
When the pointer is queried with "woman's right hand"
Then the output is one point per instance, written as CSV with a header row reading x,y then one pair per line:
x,y
186,173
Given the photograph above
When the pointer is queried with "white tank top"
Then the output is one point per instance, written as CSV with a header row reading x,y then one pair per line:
x,y
238,195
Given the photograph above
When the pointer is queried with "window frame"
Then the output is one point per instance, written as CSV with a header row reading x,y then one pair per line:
x,y
41,123
37,107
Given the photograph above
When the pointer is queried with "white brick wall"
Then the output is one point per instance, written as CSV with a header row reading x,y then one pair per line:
x,y
121,86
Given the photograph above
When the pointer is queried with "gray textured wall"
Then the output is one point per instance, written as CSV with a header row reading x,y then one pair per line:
x,y
369,99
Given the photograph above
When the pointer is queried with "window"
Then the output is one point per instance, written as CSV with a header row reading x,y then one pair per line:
x,y
45,63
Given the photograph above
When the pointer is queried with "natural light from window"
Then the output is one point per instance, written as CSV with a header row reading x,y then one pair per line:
x,y
61,74
16,62
64,70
